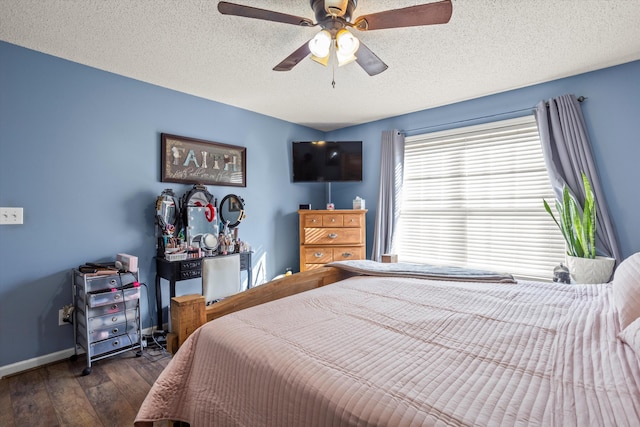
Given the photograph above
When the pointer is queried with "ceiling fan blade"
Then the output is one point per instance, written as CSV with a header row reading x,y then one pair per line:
x,y
292,60
227,8
425,14
369,61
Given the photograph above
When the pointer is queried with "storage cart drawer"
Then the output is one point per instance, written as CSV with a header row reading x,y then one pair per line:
x,y
113,344
113,308
100,283
105,298
112,319
112,331
106,326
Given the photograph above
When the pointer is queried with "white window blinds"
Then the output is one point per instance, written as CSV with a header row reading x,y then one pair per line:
x,y
472,197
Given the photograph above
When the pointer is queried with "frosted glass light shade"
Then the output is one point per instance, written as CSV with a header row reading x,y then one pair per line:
x,y
320,44
346,47
347,43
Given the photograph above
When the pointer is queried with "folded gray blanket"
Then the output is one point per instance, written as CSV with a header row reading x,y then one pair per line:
x,y
423,271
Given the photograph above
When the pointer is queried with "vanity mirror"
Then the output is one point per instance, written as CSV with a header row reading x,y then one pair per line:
x,y
197,196
232,210
199,209
168,213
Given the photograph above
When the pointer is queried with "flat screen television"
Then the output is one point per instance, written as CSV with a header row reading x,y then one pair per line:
x,y
327,161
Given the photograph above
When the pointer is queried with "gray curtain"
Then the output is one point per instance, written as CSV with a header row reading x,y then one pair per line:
x,y
567,153
391,174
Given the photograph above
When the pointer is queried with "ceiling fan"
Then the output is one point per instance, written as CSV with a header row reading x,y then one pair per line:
x,y
334,17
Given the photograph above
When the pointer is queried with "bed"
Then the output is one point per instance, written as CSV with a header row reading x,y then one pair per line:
x,y
397,348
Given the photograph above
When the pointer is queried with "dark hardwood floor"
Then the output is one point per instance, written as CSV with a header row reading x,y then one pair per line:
x,y
58,394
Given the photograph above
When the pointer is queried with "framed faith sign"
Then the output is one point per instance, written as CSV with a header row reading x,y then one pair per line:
x,y
195,161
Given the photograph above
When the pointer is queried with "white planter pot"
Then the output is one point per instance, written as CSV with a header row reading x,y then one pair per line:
x,y
588,270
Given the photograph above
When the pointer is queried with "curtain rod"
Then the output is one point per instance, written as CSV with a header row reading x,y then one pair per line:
x,y
580,99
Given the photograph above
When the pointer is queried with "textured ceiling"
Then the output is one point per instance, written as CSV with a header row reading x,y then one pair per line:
x,y
489,46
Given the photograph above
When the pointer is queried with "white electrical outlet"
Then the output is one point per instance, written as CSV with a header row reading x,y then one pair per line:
x,y
10,215
61,321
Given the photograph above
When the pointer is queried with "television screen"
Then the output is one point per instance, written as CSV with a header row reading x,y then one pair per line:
x,y
327,161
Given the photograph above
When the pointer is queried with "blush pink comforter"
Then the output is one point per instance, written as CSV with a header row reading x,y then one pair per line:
x,y
373,351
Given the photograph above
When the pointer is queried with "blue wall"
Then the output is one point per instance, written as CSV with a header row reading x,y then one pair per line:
x,y
80,151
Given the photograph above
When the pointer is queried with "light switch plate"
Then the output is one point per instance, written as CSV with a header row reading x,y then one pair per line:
x,y
10,215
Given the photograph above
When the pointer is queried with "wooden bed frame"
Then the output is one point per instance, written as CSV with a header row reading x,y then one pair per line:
x,y
276,289
270,291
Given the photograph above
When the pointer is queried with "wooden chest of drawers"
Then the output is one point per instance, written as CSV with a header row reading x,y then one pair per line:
x,y
331,235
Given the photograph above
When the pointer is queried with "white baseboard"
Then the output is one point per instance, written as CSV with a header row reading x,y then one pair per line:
x,y
39,361
36,362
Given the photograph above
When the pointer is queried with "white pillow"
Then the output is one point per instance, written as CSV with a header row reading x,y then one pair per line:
x,y
626,290
631,336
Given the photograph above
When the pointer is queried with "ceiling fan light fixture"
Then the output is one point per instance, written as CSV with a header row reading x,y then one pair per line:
x,y
320,45
334,16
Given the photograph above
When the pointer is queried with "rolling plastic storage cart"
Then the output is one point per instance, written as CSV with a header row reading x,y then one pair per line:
x,y
106,315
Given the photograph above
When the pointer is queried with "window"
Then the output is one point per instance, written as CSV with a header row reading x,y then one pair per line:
x,y
472,197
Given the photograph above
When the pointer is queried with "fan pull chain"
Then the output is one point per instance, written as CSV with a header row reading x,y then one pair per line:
x,y
333,74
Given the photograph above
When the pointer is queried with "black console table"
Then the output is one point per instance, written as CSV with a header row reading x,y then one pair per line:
x,y
175,271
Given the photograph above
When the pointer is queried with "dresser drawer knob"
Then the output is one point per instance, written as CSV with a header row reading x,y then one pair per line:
x,y
347,254
116,343
113,281
114,307
333,235
314,220
318,254
116,296
114,319
333,220
114,331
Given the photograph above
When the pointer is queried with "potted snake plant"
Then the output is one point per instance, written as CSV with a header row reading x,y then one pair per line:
x,y
578,227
